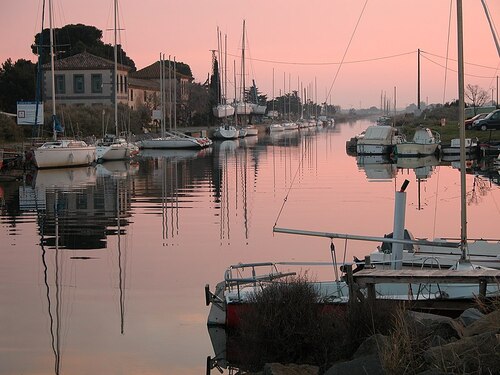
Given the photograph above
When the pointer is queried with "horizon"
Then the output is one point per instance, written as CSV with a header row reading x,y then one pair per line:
x,y
351,60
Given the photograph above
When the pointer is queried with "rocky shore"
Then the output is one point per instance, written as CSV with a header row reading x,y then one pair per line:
x,y
423,344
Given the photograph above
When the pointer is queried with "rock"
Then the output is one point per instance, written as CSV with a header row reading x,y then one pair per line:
x,y
488,323
369,364
469,316
289,369
432,372
372,345
429,325
475,354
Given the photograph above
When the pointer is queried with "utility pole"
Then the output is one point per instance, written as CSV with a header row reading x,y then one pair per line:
x,y
418,79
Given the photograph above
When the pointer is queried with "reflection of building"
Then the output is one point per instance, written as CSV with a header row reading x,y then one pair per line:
x,y
86,207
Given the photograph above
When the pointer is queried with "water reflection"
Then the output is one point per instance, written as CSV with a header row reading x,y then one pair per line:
x,y
377,167
129,247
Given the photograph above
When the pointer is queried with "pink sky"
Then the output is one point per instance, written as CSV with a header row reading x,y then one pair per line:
x,y
293,38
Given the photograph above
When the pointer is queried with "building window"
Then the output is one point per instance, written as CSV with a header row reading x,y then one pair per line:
x,y
60,84
131,95
145,97
78,84
96,83
126,86
121,83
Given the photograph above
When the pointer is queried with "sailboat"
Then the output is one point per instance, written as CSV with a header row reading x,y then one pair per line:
x,y
222,109
233,295
171,139
114,147
241,106
61,152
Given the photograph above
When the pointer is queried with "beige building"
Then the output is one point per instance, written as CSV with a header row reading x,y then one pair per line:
x,y
151,73
85,79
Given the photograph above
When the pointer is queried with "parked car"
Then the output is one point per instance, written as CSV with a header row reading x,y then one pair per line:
x,y
492,121
469,122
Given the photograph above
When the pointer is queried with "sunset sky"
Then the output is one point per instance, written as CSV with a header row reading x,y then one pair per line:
x,y
303,42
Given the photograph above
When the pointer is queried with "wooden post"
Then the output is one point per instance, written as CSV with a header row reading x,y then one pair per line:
x,y
482,288
350,282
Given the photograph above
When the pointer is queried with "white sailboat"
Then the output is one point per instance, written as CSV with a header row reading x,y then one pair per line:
x,y
172,139
114,147
61,152
242,107
222,109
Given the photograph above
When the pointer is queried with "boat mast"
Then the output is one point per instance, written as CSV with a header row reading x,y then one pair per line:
x,y
243,65
461,123
52,72
115,68
175,95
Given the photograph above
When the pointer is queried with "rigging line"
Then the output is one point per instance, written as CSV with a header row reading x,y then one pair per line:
x,y
453,70
289,188
466,63
325,63
347,49
447,51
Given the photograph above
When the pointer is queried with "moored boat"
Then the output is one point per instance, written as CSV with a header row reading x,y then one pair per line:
x,y
378,140
64,153
425,142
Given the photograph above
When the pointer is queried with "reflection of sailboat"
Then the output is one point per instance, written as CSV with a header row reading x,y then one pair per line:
x,y
65,178
54,310
117,168
172,154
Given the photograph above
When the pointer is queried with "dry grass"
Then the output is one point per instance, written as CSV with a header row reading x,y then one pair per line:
x,y
288,326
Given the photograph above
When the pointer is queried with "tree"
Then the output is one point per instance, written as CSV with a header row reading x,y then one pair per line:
x,y
198,106
73,39
17,82
476,95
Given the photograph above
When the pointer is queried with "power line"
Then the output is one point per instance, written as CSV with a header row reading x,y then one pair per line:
x,y
326,63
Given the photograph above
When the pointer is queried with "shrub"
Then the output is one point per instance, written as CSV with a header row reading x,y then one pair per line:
x,y
287,325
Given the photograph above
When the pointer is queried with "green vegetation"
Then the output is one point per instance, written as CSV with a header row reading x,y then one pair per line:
x,y
17,82
73,39
444,120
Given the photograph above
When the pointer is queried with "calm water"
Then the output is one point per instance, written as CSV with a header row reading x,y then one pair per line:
x,y
103,269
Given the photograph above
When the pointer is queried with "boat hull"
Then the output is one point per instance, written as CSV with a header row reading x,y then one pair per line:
x,y
64,157
226,132
243,108
416,149
373,149
223,110
170,143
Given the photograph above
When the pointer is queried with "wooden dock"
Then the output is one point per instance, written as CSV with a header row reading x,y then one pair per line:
x,y
369,277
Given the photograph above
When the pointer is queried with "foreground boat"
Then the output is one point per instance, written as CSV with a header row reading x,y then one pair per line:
x,y
460,285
